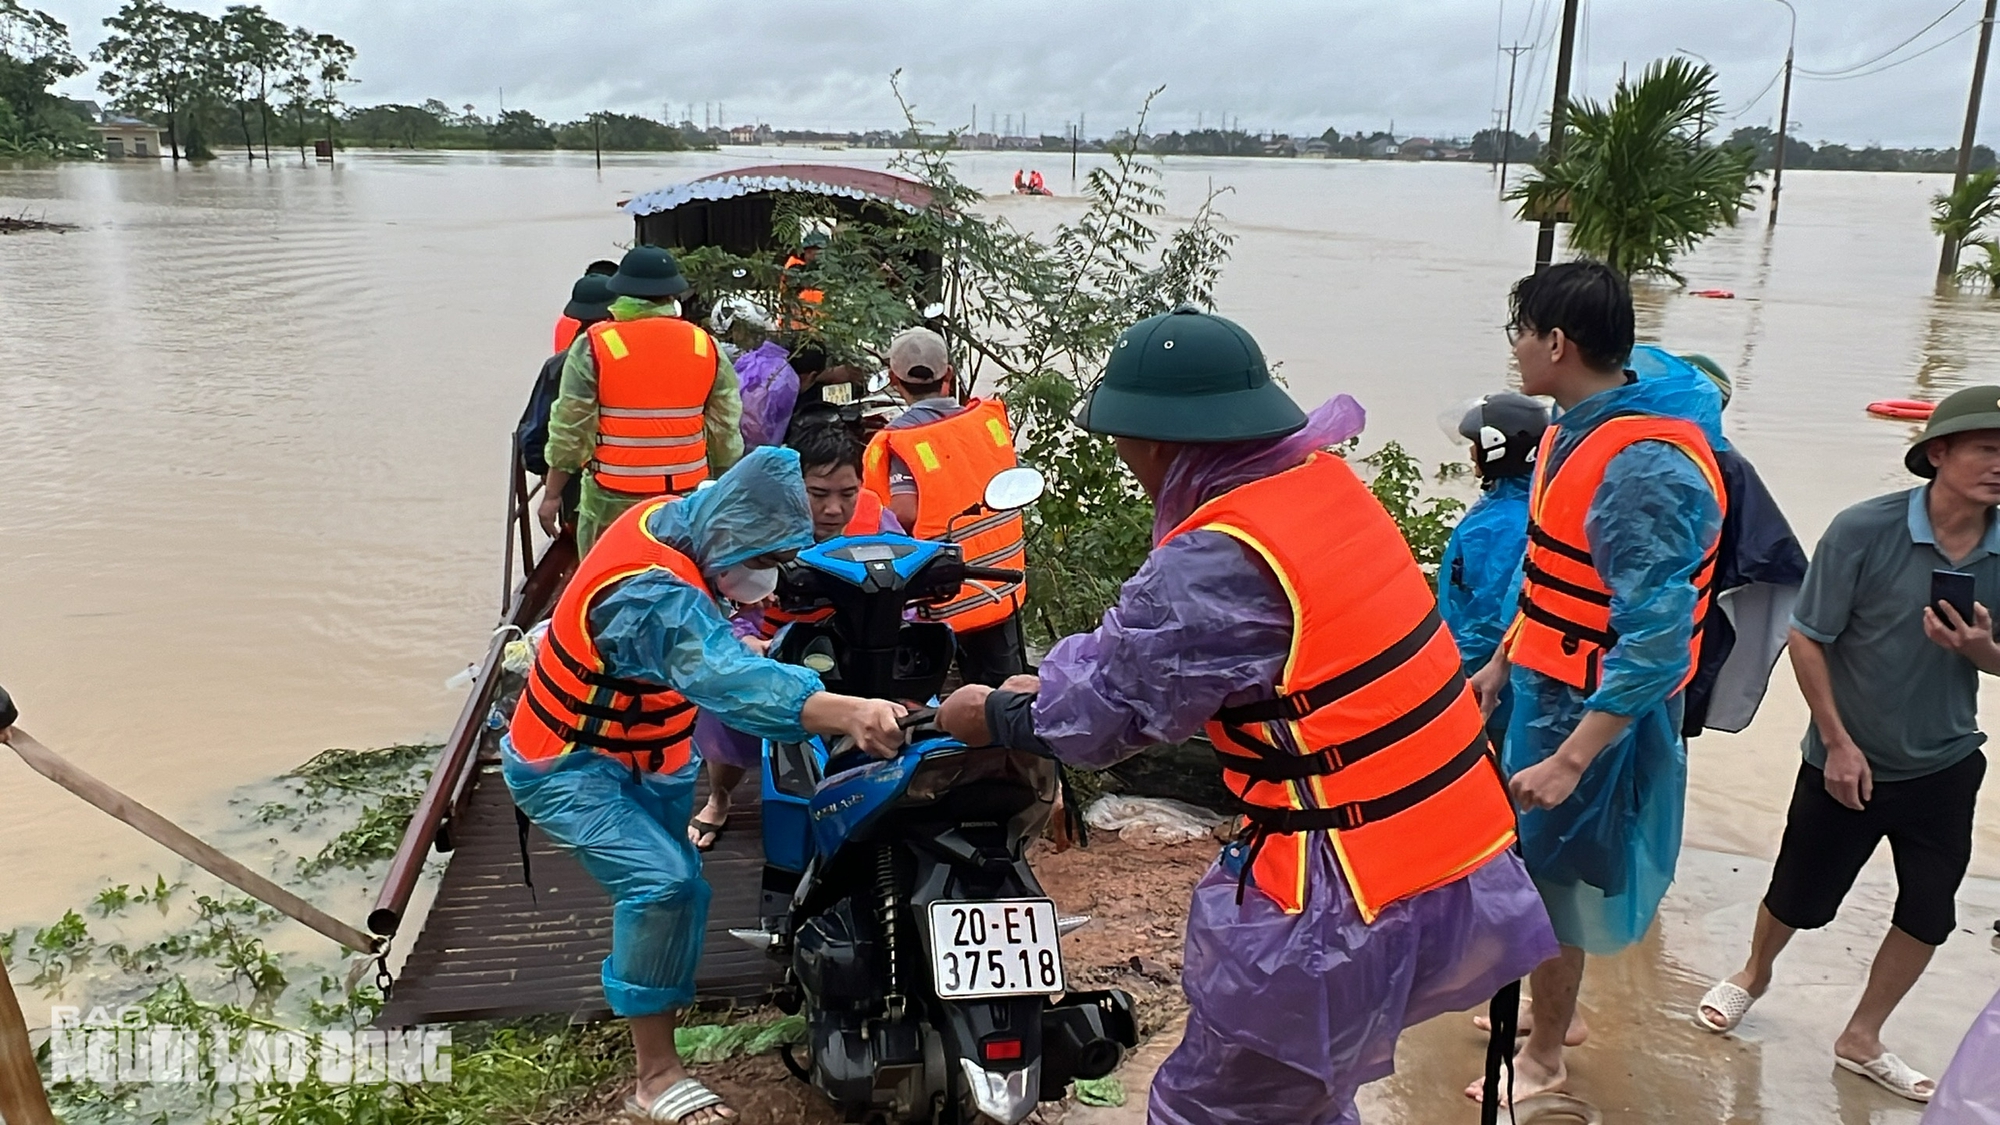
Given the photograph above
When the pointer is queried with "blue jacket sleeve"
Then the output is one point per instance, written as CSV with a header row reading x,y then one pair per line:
x,y
1653,521
1476,576
657,628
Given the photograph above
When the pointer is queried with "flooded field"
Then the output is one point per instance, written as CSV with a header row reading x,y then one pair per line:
x,y
254,427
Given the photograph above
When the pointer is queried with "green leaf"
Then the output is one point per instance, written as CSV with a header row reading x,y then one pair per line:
x,y
1106,1091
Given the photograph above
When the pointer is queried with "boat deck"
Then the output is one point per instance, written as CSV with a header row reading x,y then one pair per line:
x,y
491,950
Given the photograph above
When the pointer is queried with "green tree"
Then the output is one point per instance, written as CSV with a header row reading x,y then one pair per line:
x,y
1637,183
517,128
34,55
1960,215
255,50
325,61
149,61
392,125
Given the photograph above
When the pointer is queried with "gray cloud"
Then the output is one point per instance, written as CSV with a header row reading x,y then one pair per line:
x,y
1288,65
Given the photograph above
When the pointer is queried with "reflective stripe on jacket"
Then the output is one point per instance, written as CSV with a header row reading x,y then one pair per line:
x,y
570,703
867,520
1564,627
951,460
1373,736
566,329
654,376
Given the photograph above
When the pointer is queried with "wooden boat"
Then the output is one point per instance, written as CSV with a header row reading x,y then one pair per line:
x,y
490,945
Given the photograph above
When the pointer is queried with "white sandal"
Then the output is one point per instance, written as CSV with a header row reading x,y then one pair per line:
x,y
1731,1000
1892,1074
675,1103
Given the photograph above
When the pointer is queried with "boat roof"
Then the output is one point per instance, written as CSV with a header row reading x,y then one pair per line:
x,y
840,180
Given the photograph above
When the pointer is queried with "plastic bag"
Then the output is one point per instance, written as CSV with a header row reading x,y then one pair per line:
x,y
1151,820
769,389
714,1042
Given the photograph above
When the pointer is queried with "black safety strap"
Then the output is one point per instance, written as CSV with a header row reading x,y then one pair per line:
x,y
1272,764
1541,538
1299,704
633,714
598,741
1355,814
1539,577
1503,1017
521,828
1602,638
595,678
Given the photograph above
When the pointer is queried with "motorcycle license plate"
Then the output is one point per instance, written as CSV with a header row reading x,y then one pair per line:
x,y
1007,947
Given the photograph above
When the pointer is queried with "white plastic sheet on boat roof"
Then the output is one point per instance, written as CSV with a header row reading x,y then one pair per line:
x,y
730,187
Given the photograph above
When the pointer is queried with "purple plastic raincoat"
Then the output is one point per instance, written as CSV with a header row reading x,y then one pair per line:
x,y
1969,1092
1289,1014
769,389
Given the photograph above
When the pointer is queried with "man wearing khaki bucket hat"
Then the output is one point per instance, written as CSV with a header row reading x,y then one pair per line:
x,y
1889,661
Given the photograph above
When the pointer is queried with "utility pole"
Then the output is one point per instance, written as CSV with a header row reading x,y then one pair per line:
x,y
1507,130
1545,239
597,138
1075,133
1785,114
1948,262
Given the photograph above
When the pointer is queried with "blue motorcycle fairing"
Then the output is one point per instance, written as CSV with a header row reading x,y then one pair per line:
x,y
848,557
848,801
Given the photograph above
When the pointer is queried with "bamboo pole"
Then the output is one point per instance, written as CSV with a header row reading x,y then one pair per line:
x,y
22,1099
49,764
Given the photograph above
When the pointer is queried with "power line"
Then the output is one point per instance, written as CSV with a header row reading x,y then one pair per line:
x,y
1878,58
1973,26
1752,103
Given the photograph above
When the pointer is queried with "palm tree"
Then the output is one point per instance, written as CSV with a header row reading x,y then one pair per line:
x,y
1638,185
1982,273
1960,214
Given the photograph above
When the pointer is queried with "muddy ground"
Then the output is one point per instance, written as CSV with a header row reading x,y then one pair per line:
x,y
1137,896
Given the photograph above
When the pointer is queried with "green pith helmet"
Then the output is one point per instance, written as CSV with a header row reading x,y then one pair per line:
x,y
1188,376
1715,374
649,272
1974,408
815,240
589,299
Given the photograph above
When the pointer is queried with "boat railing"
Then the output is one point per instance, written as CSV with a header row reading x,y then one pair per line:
x,y
524,601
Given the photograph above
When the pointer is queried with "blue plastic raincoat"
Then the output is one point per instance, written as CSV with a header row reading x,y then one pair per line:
x,y
1289,1014
1603,859
629,831
1476,590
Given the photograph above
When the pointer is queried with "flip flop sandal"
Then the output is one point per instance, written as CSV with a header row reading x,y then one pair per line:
x,y
711,830
1729,999
1892,1074
675,1103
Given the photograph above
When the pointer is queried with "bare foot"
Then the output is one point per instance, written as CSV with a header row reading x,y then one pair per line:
x,y
1530,1078
1750,984
715,814
1578,1030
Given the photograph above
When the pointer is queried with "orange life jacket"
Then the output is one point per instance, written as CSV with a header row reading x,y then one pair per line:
x,y
951,460
867,520
570,703
1564,627
566,329
1373,737
654,376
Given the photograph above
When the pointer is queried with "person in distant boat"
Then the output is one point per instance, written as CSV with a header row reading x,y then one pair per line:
x,y
830,461
1476,575
1281,610
1020,181
589,303
568,324
600,751
648,404
930,467
1035,184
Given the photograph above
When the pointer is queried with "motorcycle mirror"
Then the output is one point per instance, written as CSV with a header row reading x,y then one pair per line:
x,y
1015,488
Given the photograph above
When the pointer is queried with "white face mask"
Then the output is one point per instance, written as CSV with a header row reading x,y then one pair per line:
x,y
745,584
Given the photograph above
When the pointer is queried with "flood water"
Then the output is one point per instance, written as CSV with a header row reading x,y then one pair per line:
x,y
254,425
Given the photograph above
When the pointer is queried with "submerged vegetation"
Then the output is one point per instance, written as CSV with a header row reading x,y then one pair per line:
x,y
1635,180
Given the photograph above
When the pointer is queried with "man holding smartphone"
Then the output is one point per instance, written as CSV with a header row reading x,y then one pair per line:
x,y
1890,673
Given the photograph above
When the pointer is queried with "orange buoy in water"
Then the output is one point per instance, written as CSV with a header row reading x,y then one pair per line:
x,y
1901,408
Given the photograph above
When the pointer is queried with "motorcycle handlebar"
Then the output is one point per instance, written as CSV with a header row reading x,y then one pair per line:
x,y
992,574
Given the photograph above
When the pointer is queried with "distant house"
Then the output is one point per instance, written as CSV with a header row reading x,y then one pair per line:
x,y
743,135
1281,145
1379,146
1418,148
1316,147
119,136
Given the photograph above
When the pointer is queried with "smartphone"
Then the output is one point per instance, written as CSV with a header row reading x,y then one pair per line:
x,y
1953,588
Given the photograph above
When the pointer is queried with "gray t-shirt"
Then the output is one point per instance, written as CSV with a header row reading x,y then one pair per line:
x,y
1911,706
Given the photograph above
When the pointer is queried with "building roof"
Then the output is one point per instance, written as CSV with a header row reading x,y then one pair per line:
x,y
121,121
807,179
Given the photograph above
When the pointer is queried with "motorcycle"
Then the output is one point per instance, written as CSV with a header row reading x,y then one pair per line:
x,y
897,894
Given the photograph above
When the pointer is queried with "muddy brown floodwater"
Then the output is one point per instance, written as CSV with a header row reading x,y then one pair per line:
x,y
253,425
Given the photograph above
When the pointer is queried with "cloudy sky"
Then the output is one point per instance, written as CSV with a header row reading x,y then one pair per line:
x,y
1430,66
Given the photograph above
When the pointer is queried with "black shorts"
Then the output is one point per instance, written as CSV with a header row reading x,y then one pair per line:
x,y
994,653
1928,823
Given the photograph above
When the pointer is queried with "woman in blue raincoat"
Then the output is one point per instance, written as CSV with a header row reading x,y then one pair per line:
x,y
1290,1013
628,828
1602,774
